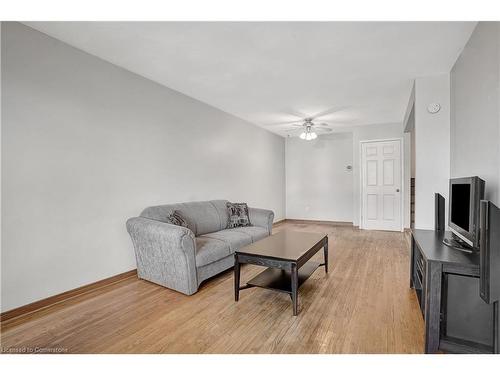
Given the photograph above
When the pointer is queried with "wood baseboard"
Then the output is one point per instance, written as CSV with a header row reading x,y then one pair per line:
x,y
323,222
50,301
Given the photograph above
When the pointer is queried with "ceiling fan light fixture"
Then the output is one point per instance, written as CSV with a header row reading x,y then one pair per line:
x,y
308,132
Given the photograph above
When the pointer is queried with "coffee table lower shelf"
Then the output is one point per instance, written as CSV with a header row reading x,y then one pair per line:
x,y
280,280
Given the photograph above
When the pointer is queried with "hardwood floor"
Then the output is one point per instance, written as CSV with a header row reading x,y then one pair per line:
x,y
364,305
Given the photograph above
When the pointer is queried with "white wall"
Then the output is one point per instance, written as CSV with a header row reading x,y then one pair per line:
x,y
374,132
318,185
432,143
475,109
86,144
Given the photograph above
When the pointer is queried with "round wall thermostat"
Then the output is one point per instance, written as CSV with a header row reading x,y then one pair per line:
x,y
434,108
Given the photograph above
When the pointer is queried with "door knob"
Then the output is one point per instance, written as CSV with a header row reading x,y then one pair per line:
x,y
397,190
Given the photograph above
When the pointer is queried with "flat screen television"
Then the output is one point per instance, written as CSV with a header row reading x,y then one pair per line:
x,y
466,194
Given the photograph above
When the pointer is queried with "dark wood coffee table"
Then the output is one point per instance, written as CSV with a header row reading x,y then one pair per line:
x,y
286,254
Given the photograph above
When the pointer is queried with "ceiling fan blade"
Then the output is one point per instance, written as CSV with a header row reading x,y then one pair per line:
x,y
289,113
329,111
283,123
295,113
339,122
296,128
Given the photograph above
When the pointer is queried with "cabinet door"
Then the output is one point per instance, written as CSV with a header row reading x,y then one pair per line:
x,y
466,316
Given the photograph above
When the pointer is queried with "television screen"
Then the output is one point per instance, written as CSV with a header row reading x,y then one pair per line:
x,y
460,205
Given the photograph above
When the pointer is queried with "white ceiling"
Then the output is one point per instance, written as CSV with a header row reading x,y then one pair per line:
x,y
270,72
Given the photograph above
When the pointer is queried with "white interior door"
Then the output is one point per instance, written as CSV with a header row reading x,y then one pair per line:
x,y
381,185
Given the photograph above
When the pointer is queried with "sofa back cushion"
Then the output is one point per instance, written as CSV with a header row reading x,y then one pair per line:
x,y
202,217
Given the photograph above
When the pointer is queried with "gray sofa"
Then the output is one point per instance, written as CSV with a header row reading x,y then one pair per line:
x,y
181,258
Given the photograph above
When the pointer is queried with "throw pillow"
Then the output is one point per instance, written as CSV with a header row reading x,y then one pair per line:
x,y
238,215
176,218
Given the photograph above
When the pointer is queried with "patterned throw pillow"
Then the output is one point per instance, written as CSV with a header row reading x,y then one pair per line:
x,y
176,218
238,215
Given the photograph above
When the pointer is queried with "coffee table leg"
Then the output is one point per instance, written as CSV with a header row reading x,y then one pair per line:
x,y
295,287
236,278
325,250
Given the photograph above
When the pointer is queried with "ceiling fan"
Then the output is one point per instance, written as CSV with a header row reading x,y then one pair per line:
x,y
307,127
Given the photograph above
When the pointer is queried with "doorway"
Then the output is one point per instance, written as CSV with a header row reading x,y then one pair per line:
x,y
381,185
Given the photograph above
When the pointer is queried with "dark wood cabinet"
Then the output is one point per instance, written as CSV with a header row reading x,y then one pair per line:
x,y
446,283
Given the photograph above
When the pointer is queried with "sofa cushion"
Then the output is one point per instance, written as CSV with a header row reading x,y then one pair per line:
x,y
204,216
257,233
220,206
201,217
209,250
233,238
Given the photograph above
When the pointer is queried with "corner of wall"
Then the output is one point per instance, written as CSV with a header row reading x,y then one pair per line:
x,y
432,143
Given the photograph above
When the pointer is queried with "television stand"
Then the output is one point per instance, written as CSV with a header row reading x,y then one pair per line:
x,y
446,284
457,244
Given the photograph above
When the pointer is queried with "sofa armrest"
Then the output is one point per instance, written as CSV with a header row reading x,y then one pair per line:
x,y
261,218
165,253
